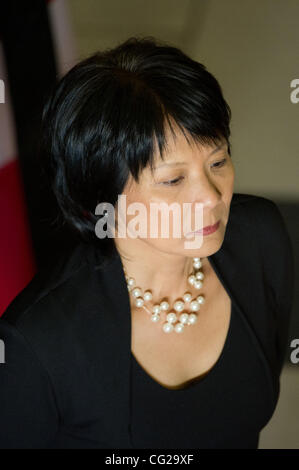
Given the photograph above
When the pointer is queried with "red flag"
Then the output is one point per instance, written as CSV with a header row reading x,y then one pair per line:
x,y
17,264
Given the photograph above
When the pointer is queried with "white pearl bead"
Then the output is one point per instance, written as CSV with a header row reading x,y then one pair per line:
x,y
136,292
155,318
194,306
167,327
178,306
171,317
179,327
197,265
164,305
197,284
139,302
199,275
192,319
156,309
184,317
187,297
147,296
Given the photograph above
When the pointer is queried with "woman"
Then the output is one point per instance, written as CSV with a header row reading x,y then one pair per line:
x,y
192,358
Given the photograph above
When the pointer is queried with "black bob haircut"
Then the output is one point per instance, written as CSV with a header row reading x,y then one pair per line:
x,y
101,120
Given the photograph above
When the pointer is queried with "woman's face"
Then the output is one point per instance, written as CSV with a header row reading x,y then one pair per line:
x,y
188,174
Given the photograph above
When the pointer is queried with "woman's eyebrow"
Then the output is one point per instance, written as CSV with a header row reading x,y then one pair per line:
x,y
170,163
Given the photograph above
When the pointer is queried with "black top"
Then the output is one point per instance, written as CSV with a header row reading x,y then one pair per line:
x,y
225,409
66,380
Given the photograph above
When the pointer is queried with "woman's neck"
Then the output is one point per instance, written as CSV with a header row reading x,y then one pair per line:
x,y
165,275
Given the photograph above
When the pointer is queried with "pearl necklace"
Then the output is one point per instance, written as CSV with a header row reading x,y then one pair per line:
x,y
171,324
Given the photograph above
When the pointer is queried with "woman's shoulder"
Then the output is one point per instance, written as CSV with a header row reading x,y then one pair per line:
x,y
267,229
261,214
54,289
59,310
253,202
259,236
261,219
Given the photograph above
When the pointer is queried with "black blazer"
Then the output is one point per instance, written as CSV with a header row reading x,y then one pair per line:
x,y
65,380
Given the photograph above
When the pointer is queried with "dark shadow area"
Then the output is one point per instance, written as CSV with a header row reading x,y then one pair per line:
x,y
31,68
290,212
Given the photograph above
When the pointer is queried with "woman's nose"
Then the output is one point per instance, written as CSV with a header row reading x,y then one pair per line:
x,y
208,194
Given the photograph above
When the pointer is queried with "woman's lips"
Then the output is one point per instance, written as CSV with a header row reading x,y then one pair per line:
x,y
207,230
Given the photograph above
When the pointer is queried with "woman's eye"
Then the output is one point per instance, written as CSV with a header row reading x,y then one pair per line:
x,y
176,181
220,163
172,182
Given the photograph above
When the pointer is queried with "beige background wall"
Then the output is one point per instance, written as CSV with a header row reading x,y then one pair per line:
x,y
251,46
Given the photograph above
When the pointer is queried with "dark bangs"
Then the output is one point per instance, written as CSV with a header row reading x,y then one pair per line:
x,y
104,119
